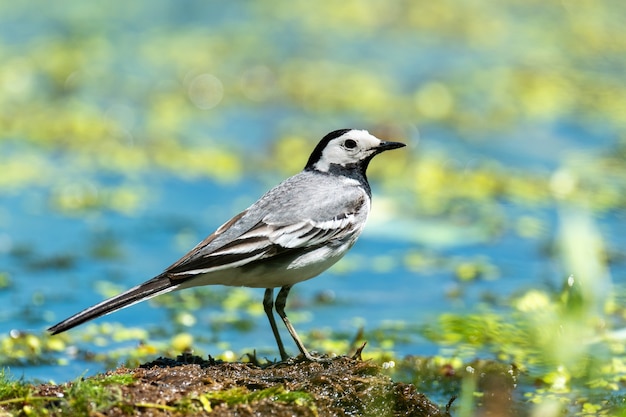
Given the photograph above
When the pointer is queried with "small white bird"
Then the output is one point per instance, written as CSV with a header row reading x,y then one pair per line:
x,y
294,232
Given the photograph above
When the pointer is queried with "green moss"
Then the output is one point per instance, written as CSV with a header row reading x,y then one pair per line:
x,y
11,388
242,396
87,396
81,397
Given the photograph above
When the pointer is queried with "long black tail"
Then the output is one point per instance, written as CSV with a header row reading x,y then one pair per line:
x,y
157,285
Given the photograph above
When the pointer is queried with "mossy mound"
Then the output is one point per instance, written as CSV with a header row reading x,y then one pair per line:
x,y
190,385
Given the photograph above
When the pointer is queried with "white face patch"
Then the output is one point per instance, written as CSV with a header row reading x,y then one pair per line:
x,y
349,148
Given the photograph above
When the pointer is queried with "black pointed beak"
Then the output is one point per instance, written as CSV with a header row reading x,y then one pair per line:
x,y
387,146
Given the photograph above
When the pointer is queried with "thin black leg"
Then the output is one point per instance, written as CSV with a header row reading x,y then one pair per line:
x,y
268,305
281,300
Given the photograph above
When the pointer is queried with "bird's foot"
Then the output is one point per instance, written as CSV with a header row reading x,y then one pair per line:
x,y
307,357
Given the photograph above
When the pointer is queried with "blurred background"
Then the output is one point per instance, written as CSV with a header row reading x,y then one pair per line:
x,y
130,131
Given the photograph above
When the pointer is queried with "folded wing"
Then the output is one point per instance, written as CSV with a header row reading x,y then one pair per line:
x,y
262,241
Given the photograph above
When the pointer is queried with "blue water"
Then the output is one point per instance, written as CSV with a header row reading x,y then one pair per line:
x,y
147,244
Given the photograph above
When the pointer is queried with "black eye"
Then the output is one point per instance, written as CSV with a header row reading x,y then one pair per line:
x,y
350,144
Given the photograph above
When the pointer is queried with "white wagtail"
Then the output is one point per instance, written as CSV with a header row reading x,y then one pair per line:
x,y
297,230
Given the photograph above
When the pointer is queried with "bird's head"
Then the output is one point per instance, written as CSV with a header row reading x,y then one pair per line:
x,y
347,149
